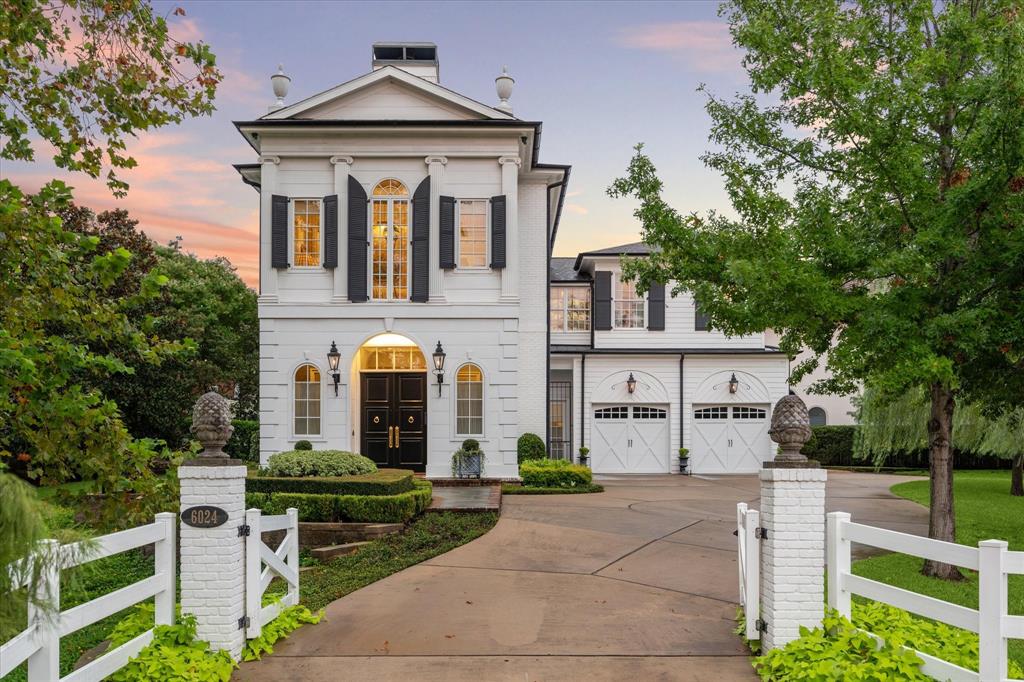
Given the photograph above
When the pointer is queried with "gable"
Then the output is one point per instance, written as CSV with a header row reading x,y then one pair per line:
x,y
389,100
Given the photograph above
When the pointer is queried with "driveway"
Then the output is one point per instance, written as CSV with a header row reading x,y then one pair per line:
x,y
637,582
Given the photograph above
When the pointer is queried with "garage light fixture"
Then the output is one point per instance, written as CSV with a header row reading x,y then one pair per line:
x,y
439,356
333,360
734,383
631,383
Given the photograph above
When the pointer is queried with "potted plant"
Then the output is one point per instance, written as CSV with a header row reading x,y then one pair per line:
x,y
468,460
684,460
585,456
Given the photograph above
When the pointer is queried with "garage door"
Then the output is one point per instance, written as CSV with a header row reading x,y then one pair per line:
x,y
630,439
729,439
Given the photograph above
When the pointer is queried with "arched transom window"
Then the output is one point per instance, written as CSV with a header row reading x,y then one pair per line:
x,y
817,416
307,401
389,242
469,401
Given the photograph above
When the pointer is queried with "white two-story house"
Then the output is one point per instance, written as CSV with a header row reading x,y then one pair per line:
x,y
404,239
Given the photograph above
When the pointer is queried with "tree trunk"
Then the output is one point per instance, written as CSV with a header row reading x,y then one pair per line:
x,y
941,521
1017,477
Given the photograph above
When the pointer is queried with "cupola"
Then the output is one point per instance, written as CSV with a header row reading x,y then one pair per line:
x,y
419,59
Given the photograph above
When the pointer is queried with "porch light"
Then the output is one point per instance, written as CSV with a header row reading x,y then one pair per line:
x,y
631,383
333,360
734,383
439,356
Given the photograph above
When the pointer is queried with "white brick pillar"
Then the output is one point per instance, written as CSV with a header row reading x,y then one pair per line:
x,y
213,559
793,552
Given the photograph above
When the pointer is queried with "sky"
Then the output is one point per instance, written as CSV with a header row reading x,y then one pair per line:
x,y
602,76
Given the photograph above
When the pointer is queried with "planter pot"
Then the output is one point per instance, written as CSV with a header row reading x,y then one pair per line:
x,y
584,460
469,466
684,465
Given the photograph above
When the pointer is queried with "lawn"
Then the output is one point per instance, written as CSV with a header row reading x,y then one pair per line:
x,y
984,510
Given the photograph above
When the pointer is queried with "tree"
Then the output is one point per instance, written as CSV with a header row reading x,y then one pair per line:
x,y
878,203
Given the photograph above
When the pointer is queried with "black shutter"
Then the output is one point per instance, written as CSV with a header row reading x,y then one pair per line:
x,y
357,242
331,231
446,223
278,231
421,242
656,307
700,320
602,300
498,232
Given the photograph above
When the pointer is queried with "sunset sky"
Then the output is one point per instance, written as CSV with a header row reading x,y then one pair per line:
x,y
602,76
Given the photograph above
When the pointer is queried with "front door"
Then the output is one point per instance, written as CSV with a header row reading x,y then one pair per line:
x,y
394,408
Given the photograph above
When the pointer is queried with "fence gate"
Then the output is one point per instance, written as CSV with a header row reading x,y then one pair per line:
x,y
262,564
749,567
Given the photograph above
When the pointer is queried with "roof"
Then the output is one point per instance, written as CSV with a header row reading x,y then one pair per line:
x,y
631,249
561,270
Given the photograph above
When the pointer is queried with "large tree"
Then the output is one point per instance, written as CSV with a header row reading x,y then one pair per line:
x,y
876,173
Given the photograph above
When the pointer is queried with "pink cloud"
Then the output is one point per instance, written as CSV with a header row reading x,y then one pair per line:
x,y
705,45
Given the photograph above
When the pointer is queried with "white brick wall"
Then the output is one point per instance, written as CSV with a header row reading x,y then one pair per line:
x,y
793,554
213,559
533,316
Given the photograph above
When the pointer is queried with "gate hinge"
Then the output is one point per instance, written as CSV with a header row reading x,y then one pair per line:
x,y
243,622
243,530
761,533
761,625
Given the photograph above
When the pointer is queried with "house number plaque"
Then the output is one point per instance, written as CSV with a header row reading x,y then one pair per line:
x,y
204,516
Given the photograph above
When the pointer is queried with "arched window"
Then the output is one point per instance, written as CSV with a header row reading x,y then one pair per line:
x,y
307,401
817,416
469,401
389,242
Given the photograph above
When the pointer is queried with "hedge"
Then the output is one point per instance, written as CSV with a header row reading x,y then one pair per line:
x,y
298,463
362,508
549,473
833,446
245,440
529,490
382,482
530,447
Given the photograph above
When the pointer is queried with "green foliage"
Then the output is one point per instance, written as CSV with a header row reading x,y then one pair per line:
x,y
684,453
175,654
311,507
303,445
21,527
741,629
839,651
363,508
244,443
530,446
471,445
381,482
295,463
508,489
289,620
551,473
830,444
584,451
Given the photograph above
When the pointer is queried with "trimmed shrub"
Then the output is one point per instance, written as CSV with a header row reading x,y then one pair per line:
x,y
831,445
245,440
362,508
530,446
382,482
311,507
295,463
550,473
470,445
304,445
529,490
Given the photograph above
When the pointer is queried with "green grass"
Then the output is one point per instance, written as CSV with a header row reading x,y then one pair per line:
x,y
984,510
531,490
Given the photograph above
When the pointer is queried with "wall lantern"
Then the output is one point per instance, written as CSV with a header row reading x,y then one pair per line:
x,y
439,356
333,360
631,383
734,383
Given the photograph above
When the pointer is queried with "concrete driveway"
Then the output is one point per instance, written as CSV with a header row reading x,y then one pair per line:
x,y
637,582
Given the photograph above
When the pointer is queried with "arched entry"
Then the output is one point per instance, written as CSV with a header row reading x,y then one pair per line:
x,y
392,410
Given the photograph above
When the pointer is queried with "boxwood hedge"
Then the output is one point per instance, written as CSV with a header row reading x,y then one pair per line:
x,y
547,473
382,482
362,508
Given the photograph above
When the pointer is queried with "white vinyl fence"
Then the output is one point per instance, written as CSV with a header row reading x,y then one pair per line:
x,y
991,559
282,562
749,567
39,643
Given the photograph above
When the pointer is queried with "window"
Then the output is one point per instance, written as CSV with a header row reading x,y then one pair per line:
x,y
748,413
700,320
389,241
629,306
649,413
306,231
472,233
392,358
818,416
719,412
617,412
570,309
469,401
307,401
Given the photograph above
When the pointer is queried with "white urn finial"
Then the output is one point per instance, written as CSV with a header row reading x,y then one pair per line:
x,y
503,84
280,83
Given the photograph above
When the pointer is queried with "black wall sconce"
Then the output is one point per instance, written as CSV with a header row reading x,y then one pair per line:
x,y
631,383
333,360
734,383
439,356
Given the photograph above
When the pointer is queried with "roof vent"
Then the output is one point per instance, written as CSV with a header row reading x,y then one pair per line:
x,y
503,84
419,59
280,83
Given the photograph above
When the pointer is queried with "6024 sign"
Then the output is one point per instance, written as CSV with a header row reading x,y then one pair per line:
x,y
204,516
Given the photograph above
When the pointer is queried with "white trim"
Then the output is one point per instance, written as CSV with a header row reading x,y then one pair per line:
x,y
458,236
455,435
320,437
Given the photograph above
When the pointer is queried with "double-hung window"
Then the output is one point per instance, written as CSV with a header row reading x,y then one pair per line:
x,y
570,309
306,232
629,305
472,233
469,401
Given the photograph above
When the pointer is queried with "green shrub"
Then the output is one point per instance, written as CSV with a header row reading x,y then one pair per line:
x,y
362,508
382,482
295,463
470,445
245,440
550,473
530,490
831,445
310,507
304,445
530,446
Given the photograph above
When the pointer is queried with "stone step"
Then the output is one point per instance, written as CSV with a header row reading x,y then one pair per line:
x,y
379,530
334,551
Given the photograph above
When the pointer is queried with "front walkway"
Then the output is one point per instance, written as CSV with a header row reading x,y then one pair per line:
x,y
638,582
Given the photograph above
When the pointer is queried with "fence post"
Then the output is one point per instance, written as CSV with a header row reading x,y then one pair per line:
x,y
165,562
44,612
992,607
741,512
753,572
253,593
837,560
293,554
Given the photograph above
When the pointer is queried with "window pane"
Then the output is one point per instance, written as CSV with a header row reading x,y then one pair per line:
x,y
307,401
400,250
472,234
469,403
306,231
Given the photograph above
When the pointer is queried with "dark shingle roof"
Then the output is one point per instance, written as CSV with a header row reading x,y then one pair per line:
x,y
562,270
631,249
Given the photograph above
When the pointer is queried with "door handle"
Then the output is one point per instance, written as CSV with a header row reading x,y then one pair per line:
x,y
398,436
391,437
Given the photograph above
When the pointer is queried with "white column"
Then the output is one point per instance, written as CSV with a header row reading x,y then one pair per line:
x,y
268,186
435,168
793,553
44,664
510,188
213,559
342,166
838,559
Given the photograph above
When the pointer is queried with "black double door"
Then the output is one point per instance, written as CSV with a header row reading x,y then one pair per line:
x,y
394,408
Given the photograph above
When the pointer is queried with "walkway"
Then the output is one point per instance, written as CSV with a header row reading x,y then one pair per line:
x,y
638,582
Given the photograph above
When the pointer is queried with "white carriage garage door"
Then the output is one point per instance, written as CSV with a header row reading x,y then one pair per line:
x,y
729,439
630,439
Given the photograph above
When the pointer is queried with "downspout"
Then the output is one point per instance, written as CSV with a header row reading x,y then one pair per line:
x,y
583,395
547,305
682,411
